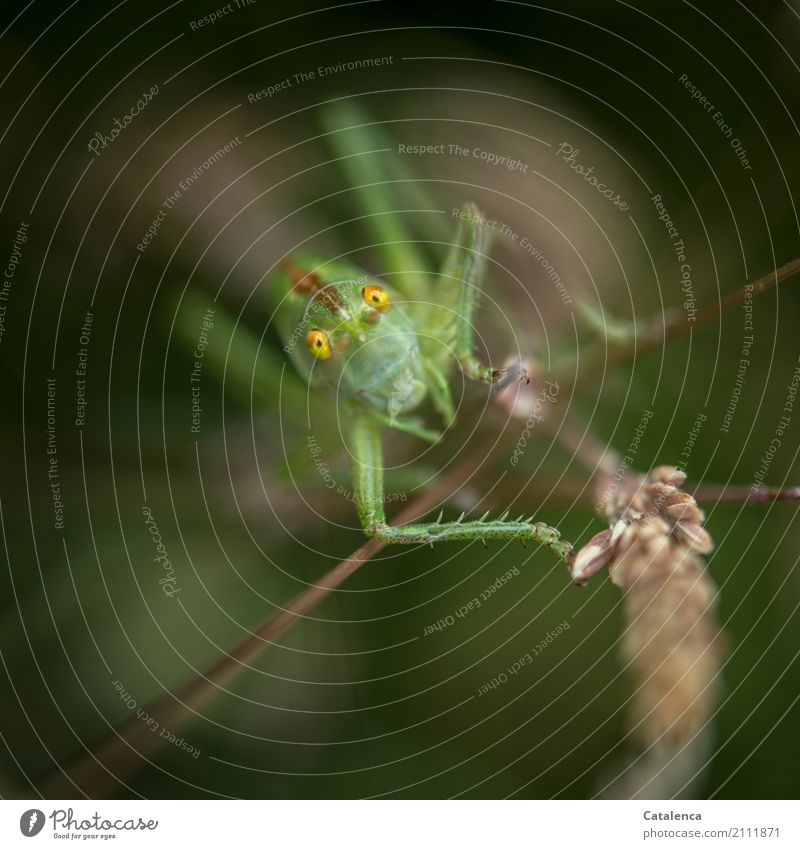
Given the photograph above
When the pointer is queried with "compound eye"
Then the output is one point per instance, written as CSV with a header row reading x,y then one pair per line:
x,y
376,297
318,344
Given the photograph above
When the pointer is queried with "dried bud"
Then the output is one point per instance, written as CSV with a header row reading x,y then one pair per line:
x,y
671,641
680,497
687,512
668,474
661,491
591,558
617,530
693,537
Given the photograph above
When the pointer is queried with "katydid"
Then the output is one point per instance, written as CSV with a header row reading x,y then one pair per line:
x,y
382,350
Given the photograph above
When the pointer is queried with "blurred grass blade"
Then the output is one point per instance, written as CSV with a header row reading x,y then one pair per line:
x,y
250,371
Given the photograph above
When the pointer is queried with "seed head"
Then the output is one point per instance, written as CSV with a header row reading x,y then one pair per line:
x,y
671,642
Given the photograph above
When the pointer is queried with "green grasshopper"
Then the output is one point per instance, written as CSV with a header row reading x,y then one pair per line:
x,y
382,351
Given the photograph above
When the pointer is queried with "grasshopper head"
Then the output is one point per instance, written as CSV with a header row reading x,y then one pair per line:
x,y
364,346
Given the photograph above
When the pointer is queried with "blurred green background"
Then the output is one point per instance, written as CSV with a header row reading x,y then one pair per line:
x,y
356,701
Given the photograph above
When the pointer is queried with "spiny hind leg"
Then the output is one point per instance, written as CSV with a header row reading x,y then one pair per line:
x,y
368,491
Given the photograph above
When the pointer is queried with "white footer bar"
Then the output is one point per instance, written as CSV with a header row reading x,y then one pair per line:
x,y
401,824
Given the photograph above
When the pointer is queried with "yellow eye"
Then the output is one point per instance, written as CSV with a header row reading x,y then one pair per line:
x,y
377,297
318,344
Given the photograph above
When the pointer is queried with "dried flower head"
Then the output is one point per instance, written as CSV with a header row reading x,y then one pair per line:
x,y
671,641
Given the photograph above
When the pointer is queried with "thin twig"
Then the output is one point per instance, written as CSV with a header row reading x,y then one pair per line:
x,y
579,493
707,493
585,446
757,287
600,358
128,749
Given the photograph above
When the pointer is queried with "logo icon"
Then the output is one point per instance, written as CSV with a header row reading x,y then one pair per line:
x,y
31,822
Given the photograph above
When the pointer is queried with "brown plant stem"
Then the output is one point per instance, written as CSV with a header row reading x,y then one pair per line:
x,y
579,493
129,748
720,494
597,458
758,286
600,358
